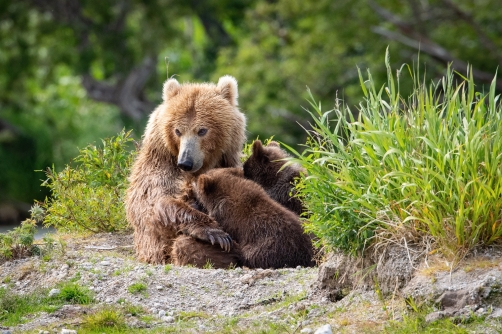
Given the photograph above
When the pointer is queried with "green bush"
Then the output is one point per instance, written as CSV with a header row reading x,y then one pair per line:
x,y
426,165
90,195
18,243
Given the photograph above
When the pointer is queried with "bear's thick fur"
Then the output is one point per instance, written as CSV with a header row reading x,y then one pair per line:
x,y
268,235
196,128
264,167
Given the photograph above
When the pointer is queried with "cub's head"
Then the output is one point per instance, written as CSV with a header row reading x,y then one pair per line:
x,y
201,125
213,188
264,163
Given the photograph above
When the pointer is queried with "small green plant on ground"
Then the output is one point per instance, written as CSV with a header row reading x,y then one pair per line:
x,y
105,319
208,265
137,287
428,164
168,268
18,243
89,196
75,293
133,310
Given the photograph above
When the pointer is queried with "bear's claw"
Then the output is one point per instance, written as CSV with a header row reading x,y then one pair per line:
x,y
216,235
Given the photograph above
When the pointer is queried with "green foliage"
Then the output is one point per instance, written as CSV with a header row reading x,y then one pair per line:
x,y
18,243
414,322
104,319
137,287
428,164
90,196
15,307
134,310
75,293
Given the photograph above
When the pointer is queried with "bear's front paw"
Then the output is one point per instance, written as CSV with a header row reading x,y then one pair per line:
x,y
215,235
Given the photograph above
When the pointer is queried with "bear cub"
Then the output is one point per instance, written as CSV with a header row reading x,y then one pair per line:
x,y
264,167
268,235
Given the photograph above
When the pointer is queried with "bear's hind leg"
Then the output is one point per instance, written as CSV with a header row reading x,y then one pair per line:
x,y
189,251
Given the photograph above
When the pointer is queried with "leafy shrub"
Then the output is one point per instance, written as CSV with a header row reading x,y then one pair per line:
x,y
90,196
18,243
426,165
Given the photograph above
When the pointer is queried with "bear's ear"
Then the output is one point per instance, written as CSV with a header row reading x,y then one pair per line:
x,y
171,87
258,151
227,85
273,144
206,184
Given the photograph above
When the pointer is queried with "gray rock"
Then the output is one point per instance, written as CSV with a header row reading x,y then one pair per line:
x,y
54,293
162,313
496,313
105,263
68,331
168,319
326,329
6,332
307,330
434,316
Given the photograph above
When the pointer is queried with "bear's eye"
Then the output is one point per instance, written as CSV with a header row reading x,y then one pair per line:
x,y
177,132
202,132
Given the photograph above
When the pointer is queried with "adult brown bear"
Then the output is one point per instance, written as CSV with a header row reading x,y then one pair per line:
x,y
196,128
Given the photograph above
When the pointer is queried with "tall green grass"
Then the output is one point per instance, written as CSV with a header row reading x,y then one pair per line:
x,y
425,165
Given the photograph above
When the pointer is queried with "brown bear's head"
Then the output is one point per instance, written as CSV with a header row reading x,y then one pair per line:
x,y
201,124
264,163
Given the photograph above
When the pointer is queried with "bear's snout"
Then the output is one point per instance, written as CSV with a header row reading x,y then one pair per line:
x,y
190,158
186,164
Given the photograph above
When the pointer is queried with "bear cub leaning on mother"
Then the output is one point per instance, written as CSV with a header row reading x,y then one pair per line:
x,y
268,235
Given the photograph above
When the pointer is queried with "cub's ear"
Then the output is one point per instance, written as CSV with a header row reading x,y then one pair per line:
x,y
273,144
227,85
258,151
171,88
206,184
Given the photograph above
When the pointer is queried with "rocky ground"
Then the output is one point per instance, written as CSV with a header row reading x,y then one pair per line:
x,y
189,300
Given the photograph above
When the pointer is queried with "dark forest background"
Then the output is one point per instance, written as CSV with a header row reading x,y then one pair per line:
x,y
73,72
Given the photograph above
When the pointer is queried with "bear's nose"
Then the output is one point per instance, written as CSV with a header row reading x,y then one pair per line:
x,y
186,165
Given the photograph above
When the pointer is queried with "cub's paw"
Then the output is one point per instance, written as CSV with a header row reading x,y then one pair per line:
x,y
213,235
